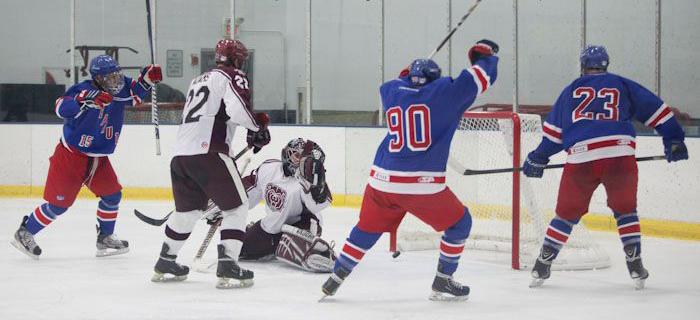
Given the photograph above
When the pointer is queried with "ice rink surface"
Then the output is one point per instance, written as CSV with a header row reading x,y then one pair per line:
x,y
69,282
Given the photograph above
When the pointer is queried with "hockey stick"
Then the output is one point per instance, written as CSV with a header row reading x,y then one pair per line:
x,y
469,172
152,221
160,222
154,102
459,24
197,262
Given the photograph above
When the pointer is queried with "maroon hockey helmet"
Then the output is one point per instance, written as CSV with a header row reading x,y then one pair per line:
x,y
231,52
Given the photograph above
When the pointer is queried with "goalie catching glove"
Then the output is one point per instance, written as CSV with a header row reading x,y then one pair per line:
x,y
301,248
312,174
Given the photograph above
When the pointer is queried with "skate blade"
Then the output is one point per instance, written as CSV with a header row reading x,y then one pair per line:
x,y
230,283
440,296
110,252
536,283
639,284
162,277
324,297
22,250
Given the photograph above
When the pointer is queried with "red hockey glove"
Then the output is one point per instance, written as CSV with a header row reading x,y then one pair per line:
x,y
404,73
151,74
96,99
483,48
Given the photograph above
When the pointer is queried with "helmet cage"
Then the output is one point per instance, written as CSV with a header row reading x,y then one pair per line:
x,y
112,82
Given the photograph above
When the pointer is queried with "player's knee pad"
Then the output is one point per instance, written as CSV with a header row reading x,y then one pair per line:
x,y
235,218
571,222
112,199
461,229
52,209
180,224
363,239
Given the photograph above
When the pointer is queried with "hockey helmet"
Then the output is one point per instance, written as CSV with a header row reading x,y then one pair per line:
x,y
298,148
594,57
107,73
231,53
423,71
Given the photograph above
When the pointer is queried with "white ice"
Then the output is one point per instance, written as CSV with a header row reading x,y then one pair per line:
x,y
69,282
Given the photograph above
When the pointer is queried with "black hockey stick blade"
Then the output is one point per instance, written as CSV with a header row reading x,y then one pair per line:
x,y
152,221
469,172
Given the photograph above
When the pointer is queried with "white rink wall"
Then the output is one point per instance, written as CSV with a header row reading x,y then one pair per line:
x,y
666,191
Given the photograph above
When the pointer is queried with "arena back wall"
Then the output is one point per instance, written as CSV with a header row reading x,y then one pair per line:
x,y
669,194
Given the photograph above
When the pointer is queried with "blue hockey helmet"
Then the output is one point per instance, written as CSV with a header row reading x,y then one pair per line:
x,y
594,57
107,73
423,71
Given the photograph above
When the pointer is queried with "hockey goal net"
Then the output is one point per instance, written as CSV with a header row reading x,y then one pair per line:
x,y
510,212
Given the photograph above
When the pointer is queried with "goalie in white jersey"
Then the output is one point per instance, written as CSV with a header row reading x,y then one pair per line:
x,y
217,102
295,192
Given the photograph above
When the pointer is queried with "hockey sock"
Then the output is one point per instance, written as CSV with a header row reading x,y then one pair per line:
x,y
42,216
233,229
179,228
452,244
557,234
629,230
107,211
355,247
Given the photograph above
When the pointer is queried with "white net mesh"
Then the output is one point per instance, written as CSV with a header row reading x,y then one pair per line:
x,y
487,143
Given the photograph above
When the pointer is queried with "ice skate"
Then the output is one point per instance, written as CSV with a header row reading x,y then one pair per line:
x,y
230,274
447,289
637,271
541,271
24,241
334,281
110,245
166,265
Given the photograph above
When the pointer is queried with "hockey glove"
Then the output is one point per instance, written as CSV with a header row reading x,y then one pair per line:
x,y
675,150
313,175
95,99
151,74
261,138
483,48
533,166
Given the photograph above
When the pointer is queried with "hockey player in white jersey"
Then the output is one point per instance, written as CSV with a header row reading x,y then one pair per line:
x,y
295,192
217,102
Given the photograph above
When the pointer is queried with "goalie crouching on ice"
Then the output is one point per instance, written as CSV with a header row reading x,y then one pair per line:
x,y
295,191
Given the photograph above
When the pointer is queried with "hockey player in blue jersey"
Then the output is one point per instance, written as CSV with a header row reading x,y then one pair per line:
x,y
423,111
93,113
592,121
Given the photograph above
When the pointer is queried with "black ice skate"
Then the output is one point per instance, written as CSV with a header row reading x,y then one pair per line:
x,y
634,264
110,245
24,241
541,271
447,289
334,281
166,265
230,274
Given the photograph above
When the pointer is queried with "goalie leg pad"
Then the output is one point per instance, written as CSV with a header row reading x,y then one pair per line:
x,y
300,248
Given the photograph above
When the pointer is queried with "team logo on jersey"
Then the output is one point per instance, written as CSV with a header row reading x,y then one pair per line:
x,y
274,197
